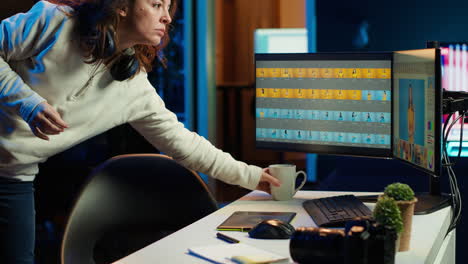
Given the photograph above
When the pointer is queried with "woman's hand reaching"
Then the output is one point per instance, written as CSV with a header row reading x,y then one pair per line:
x,y
266,181
45,120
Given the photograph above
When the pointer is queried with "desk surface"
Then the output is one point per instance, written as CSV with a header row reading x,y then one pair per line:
x,y
427,232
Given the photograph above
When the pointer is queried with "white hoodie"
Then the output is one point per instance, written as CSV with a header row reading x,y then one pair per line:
x,y
40,61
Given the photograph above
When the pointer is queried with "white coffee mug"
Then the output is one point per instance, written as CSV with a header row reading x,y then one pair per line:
x,y
287,174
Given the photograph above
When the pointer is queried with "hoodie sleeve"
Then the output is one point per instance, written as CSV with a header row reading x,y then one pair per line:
x,y
162,129
22,36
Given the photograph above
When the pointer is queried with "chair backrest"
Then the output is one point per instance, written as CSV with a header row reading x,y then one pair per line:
x,y
130,201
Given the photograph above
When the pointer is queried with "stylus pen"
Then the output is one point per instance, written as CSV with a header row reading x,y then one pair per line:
x,y
226,238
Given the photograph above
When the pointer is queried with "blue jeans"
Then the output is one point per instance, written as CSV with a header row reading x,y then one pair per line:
x,y
17,222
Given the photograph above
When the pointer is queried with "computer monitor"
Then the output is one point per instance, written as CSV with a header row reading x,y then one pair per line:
x,y
280,40
342,103
328,103
417,101
417,119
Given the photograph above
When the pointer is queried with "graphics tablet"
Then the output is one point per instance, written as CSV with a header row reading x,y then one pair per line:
x,y
246,220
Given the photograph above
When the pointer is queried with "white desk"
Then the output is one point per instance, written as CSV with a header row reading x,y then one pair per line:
x,y
427,243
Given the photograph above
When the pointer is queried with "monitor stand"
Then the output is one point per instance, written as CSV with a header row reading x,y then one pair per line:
x,y
432,201
427,202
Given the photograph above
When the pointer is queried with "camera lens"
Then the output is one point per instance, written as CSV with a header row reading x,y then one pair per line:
x,y
317,245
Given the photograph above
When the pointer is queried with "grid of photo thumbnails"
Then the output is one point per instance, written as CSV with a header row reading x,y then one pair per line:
x,y
329,106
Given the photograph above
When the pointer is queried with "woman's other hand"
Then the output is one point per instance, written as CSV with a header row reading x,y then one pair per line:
x,y
45,120
266,181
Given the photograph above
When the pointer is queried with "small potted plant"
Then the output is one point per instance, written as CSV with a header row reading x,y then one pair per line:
x,y
405,199
388,218
387,213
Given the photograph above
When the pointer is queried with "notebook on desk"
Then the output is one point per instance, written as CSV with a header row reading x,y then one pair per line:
x,y
236,253
246,220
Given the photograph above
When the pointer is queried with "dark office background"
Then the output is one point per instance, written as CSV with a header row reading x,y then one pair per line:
x,y
363,25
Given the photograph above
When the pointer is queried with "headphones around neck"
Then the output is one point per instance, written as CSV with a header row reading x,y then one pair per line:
x,y
125,65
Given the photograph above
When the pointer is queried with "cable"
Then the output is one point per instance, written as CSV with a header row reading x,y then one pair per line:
x,y
454,190
445,137
456,200
457,190
461,135
446,134
453,196
454,193
445,127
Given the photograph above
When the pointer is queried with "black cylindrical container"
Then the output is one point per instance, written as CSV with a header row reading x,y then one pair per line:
x,y
356,242
317,245
382,245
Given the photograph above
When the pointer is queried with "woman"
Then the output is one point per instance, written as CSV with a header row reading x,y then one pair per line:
x,y
71,71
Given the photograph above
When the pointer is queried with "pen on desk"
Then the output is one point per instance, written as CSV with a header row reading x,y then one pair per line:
x,y
226,238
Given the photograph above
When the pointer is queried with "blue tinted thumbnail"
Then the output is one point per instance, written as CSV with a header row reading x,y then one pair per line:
x,y
354,116
299,114
354,138
313,135
340,116
286,113
369,116
368,138
368,95
287,134
260,112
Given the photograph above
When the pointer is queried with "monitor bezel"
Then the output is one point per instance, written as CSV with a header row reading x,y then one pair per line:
x,y
327,149
438,117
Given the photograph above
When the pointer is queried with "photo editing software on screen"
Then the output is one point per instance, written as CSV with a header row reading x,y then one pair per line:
x,y
417,104
325,103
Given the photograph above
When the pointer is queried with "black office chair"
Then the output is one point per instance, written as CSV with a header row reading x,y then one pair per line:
x,y
129,202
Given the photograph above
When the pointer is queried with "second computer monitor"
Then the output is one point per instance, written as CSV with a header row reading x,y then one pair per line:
x,y
329,103
417,102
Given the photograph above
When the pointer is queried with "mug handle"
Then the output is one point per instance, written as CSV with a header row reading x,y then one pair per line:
x,y
303,182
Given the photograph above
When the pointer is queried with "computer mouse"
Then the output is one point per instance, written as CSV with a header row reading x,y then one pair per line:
x,y
272,229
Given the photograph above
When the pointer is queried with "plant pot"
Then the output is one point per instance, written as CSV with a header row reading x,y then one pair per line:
x,y
407,212
397,243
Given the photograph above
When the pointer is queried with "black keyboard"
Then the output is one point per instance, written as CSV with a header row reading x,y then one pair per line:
x,y
336,210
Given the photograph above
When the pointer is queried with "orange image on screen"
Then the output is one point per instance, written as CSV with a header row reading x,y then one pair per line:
x,y
339,73
354,94
355,73
326,73
262,92
312,94
286,73
286,93
274,73
275,93
299,73
260,73
340,94
313,73
383,73
299,93
325,94
369,73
